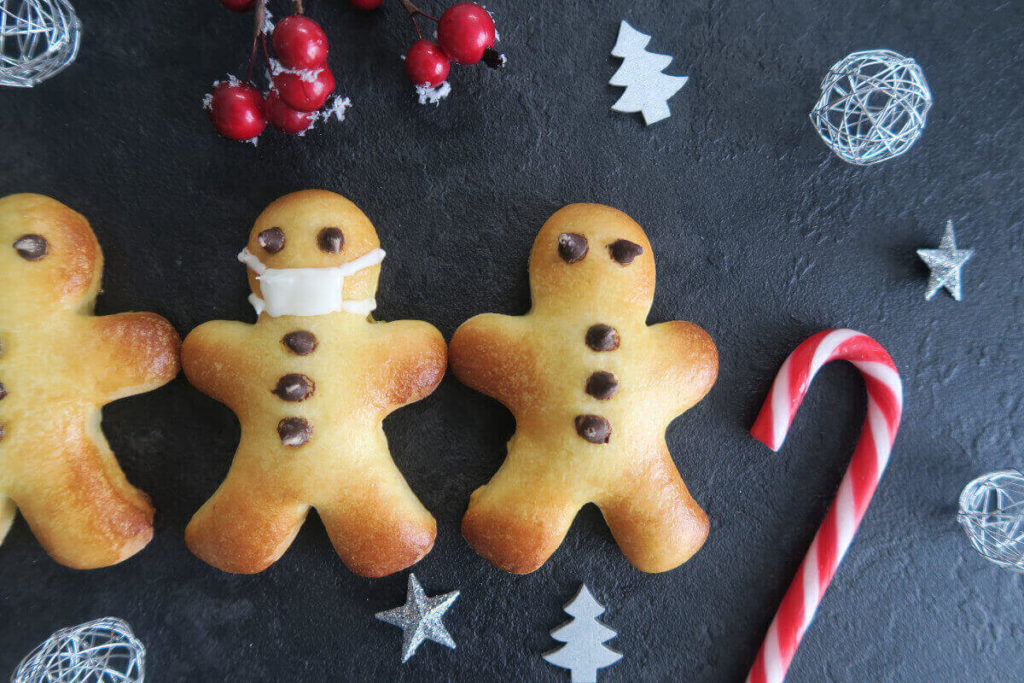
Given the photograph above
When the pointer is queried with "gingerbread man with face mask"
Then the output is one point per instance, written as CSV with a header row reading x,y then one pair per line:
x,y
592,388
310,382
59,365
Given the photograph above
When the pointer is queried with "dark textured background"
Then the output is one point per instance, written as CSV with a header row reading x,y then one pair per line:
x,y
761,236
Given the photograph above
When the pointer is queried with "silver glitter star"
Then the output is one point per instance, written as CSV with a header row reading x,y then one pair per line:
x,y
945,264
420,618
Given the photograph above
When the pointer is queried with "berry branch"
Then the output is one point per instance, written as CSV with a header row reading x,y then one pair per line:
x,y
301,81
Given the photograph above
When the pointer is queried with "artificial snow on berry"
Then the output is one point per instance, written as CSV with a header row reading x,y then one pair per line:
x,y
304,90
239,5
426,64
367,4
465,31
236,110
286,119
300,43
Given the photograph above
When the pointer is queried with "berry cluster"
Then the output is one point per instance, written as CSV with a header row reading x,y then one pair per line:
x,y
300,80
465,35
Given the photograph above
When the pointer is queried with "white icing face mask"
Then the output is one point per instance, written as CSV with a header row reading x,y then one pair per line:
x,y
308,291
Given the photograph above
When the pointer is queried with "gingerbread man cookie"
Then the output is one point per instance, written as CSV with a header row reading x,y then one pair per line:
x,y
593,389
59,365
310,383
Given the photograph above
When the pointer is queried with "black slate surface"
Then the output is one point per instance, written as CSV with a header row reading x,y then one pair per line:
x,y
761,236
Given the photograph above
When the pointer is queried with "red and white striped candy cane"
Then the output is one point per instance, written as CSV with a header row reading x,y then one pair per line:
x,y
885,404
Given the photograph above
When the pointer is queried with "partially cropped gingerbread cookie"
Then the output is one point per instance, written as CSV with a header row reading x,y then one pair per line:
x,y
59,365
592,388
311,382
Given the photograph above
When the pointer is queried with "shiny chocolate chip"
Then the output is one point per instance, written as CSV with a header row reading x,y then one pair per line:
x,y
330,240
3,392
602,385
300,342
271,239
294,431
294,387
602,337
31,247
572,247
624,251
593,428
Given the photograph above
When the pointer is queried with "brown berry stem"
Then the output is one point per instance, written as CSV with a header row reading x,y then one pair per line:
x,y
259,17
298,8
414,12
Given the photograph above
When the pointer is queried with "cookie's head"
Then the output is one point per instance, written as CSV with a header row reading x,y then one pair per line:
x,y
315,229
49,256
592,255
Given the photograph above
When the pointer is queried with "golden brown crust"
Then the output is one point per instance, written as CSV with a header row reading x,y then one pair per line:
x,y
358,372
542,366
59,365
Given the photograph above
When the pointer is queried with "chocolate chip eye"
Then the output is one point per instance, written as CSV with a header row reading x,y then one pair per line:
x,y
624,251
330,240
271,239
572,247
31,247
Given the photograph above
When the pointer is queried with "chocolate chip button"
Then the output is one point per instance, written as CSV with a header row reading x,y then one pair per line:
x,y
271,239
624,251
300,342
602,337
294,387
572,247
31,247
602,385
330,240
593,428
3,392
3,430
294,431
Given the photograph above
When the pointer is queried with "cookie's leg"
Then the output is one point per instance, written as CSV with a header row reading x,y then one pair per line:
x,y
517,523
79,505
246,525
653,518
377,525
7,511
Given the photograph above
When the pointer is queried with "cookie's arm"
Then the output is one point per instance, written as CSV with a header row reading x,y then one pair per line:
x,y
685,364
132,353
214,359
413,357
492,354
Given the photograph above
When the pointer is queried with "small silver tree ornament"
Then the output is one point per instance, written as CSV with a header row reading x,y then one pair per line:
x,y
873,106
38,40
583,654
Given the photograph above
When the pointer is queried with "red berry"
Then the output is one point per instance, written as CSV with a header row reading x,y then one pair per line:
x,y
300,43
286,119
304,95
367,4
236,110
425,64
465,31
238,5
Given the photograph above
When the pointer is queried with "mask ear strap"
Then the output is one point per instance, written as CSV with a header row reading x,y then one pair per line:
x,y
370,258
250,259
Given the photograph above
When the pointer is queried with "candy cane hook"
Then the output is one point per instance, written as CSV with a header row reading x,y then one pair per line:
x,y
885,404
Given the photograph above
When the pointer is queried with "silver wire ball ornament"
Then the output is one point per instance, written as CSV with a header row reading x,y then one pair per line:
x,y
100,651
38,39
992,515
873,106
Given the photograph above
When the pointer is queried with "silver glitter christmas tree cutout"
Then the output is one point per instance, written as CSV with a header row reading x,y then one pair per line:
x,y
873,106
992,515
38,40
420,618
